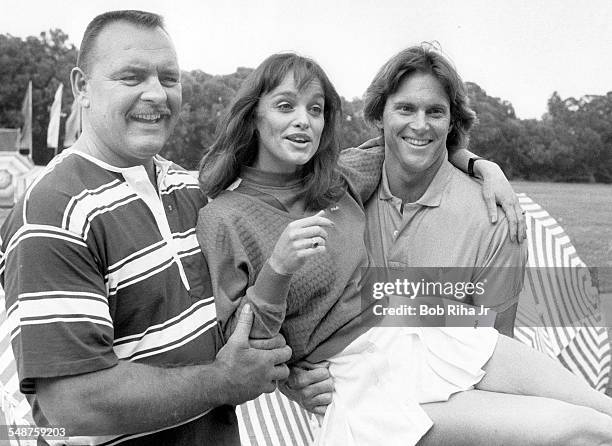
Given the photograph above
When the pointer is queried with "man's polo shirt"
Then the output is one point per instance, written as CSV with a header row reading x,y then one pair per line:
x,y
100,266
448,227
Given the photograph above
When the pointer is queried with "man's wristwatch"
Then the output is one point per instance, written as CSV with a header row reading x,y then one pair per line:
x,y
471,162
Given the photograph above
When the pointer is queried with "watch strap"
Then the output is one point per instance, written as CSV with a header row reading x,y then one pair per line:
x,y
471,162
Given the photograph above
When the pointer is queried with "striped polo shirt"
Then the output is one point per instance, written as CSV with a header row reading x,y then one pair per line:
x,y
100,266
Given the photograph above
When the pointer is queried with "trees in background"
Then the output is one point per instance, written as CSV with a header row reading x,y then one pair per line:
x,y
205,98
587,124
46,60
572,141
353,129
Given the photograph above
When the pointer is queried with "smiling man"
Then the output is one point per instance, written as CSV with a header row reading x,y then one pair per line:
x,y
427,213
108,298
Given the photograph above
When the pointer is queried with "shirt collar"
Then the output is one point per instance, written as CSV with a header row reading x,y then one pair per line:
x,y
160,163
384,193
161,166
432,196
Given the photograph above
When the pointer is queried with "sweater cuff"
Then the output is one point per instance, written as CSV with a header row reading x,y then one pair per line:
x,y
271,288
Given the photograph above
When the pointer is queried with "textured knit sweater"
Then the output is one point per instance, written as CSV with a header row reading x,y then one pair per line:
x,y
318,308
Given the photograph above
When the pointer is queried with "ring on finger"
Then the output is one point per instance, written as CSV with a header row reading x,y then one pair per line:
x,y
315,243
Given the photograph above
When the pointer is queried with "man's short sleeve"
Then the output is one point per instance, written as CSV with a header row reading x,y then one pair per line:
x,y
57,307
501,267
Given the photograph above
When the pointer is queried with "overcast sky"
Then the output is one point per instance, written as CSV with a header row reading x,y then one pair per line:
x,y
519,50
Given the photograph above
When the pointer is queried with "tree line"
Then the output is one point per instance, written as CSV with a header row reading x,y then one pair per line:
x,y
572,141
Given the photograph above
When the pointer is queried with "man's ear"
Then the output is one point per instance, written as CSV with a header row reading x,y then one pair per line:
x,y
80,86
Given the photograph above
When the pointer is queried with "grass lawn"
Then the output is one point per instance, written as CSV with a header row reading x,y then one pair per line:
x,y
585,213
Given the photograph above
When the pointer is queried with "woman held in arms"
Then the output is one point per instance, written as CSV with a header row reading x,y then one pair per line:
x,y
285,234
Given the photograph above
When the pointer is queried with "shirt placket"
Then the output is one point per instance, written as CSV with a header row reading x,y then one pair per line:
x,y
138,179
393,220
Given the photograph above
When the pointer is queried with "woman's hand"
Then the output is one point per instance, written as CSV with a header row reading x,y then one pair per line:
x,y
497,189
300,240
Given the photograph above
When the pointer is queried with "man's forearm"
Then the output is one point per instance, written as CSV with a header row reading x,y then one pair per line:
x,y
459,158
131,398
482,169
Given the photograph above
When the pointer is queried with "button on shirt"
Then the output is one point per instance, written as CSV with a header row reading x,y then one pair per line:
x,y
448,227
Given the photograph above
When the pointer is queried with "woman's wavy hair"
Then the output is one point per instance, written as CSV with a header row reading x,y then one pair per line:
x,y
424,58
236,140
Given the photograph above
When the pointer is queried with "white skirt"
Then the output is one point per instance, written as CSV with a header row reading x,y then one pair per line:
x,y
383,376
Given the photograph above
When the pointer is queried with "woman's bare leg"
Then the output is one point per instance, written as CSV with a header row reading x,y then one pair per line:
x,y
518,369
477,417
